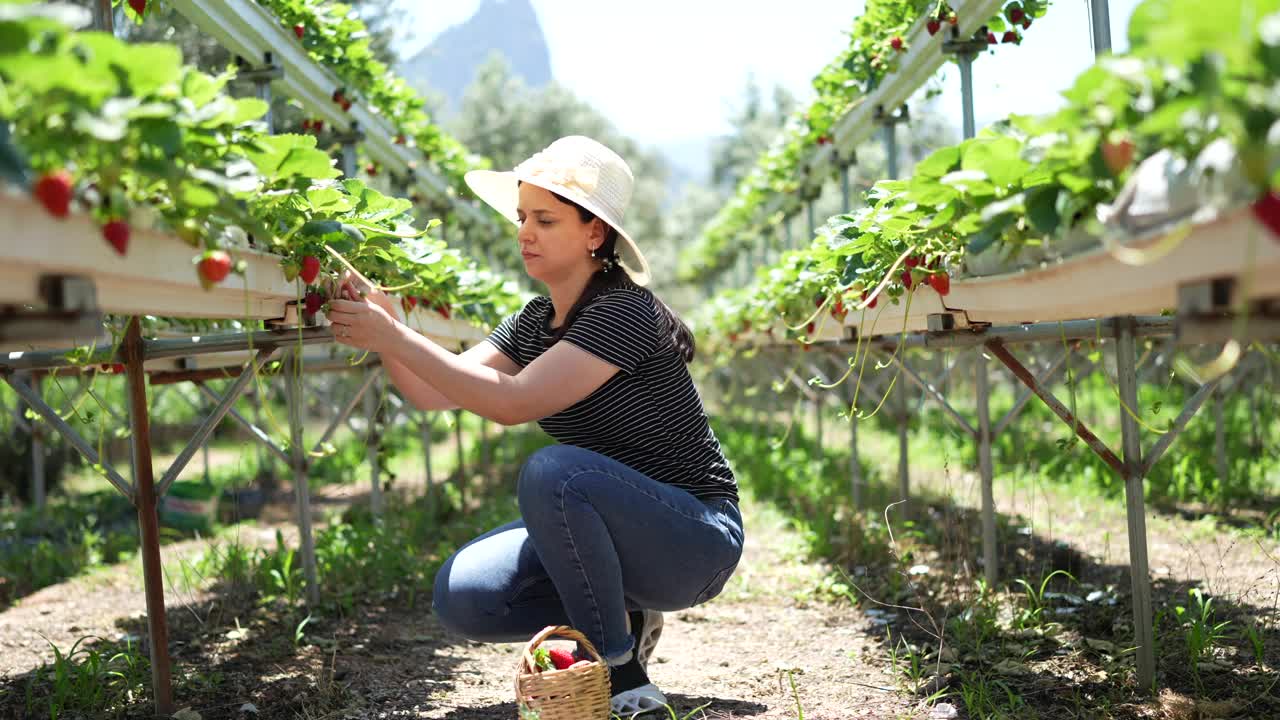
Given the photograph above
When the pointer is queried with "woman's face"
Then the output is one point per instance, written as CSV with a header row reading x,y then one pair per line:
x,y
554,242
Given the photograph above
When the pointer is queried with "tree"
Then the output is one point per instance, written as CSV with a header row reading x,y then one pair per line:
x,y
755,127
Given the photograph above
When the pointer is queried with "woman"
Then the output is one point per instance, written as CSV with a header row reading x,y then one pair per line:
x,y
636,511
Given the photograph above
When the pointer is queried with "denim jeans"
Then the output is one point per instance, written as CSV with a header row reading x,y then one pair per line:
x,y
595,540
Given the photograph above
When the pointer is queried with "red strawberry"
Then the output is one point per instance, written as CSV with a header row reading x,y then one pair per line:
x,y
53,190
874,300
139,6
116,232
299,30
1026,23
400,139
838,311
1117,153
213,267
339,96
312,302
1011,37
807,347
443,309
953,18
561,658
306,125
991,38
346,105
1016,15
310,269
933,26
896,43
117,368
817,302
906,279
372,169
810,328
1267,210
824,139
911,262
733,337
940,282
318,126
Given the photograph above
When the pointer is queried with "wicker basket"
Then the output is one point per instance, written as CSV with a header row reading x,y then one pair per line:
x,y
575,693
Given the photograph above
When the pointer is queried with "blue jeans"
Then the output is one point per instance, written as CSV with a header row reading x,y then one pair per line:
x,y
595,540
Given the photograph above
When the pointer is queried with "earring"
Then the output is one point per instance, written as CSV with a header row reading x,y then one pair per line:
x,y
593,252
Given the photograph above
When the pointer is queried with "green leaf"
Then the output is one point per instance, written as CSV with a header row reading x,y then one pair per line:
x,y
1042,209
999,157
939,163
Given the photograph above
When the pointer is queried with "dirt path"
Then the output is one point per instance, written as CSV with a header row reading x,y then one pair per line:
x,y
732,653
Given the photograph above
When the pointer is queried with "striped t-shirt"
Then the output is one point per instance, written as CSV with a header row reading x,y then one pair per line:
x,y
647,416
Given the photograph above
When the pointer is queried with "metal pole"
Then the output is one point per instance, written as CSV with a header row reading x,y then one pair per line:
x,y
904,475
990,569
426,454
38,480
103,17
263,87
855,466
1132,441
301,491
1100,23
148,523
817,417
966,94
813,229
891,148
1219,439
845,202
371,449
349,158
462,464
786,227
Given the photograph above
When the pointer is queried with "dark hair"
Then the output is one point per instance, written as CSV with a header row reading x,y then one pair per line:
x,y
677,332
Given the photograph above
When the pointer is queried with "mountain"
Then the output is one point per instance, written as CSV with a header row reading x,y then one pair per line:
x,y
449,63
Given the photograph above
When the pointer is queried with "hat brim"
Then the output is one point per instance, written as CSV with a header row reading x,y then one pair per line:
x,y
501,191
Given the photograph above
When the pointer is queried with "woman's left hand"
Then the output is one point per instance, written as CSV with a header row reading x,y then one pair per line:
x,y
360,322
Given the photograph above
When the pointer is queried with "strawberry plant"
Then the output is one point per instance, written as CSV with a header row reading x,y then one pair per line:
x,y
155,143
877,40
1029,181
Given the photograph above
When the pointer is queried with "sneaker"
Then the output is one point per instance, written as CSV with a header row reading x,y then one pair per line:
x,y
646,625
638,701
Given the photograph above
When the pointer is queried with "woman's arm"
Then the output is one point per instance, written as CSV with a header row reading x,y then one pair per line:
x,y
423,396
558,379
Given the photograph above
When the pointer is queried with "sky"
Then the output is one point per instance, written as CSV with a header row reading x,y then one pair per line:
x,y
666,71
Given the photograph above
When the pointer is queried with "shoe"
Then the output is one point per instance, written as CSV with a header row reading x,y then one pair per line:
x,y
646,625
638,701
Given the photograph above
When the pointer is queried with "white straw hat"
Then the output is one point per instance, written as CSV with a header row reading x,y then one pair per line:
x,y
578,169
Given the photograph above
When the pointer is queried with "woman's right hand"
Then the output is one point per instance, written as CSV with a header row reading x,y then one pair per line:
x,y
353,287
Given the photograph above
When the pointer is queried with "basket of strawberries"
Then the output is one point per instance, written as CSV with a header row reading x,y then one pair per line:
x,y
553,684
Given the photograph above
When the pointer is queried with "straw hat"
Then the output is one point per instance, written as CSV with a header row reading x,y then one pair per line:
x,y
579,169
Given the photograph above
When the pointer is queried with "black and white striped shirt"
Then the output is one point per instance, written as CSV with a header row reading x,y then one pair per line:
x,y
647,416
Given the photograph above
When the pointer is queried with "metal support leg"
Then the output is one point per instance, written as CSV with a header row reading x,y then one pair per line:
x,y
1132,443
462,460
965,60
812,224
891,149
904,473
855,465
1100,24
845,201
989,557
426,457
301,490
374,441
1220,440
817,418
148,522
38,480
